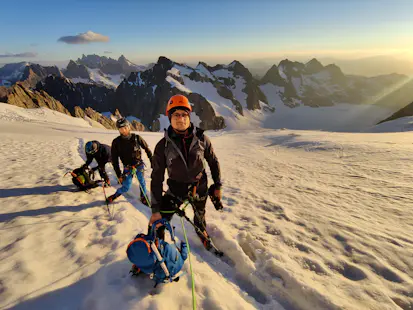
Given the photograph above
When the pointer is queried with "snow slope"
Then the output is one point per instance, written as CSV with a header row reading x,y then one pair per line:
x,y
341,117
313,220
108,80
10,112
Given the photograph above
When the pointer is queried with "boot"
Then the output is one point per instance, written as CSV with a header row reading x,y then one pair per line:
x,y
204,239
107,183
111,198
135,271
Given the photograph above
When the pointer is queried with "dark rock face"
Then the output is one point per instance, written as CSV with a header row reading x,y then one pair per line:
x,y
75,70
96,116
195,76
404,112
34,73
313,66
251,89
13,72
204,110
226,93
20,95
145,95
291,68
82,95
28,73
337,76
255,95
109,65
273,76
314,85
137,126
240,70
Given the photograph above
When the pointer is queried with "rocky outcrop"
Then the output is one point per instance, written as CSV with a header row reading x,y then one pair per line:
x,y
251,89
96,116
75,70
315,85
195,76
13,72
22,96
82,95
145,95
313,66
109,65
273,76
404,112
254,93
28,73
254,96
35,73
137,126
337,76
226,93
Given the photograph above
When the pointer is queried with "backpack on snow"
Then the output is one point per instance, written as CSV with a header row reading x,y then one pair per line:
x,y
156,257
81,177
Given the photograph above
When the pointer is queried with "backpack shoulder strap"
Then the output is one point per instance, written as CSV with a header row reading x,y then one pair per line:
x,y
199,133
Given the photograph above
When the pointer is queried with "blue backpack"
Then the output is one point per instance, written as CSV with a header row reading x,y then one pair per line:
x,y
161,260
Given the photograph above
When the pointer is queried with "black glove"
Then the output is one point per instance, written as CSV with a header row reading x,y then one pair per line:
x,y
215,201
180,212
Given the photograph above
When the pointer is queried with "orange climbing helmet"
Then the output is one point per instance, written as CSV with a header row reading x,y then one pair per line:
x,y
178,102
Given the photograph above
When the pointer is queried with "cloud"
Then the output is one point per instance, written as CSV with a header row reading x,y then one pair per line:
x,y
84,38
22,55
107,52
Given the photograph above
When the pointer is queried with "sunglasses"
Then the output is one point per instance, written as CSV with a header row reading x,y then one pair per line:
x,y
178,115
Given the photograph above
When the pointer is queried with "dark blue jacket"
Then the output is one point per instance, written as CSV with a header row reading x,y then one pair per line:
x,y
102,156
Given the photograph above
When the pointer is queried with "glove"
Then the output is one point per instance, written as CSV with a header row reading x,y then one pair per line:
x,y
180,212
215,194
84,167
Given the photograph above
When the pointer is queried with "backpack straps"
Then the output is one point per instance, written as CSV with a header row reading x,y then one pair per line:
x,y
136,141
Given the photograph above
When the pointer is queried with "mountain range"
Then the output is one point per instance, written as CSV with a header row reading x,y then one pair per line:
x,y
221,95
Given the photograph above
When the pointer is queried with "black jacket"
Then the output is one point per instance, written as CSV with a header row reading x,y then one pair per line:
x,y
183,157
129,151
102,156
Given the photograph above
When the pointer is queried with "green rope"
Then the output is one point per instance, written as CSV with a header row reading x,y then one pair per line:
x,y
187,243
173,211
144,194
190,266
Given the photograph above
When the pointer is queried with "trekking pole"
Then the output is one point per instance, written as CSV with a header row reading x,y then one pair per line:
x,y
107,205
198,230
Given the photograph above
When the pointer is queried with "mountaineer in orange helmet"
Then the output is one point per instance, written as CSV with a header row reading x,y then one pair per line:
x,y
182,152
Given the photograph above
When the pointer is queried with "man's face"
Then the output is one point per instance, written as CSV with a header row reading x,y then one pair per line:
x,y
124,131
180,120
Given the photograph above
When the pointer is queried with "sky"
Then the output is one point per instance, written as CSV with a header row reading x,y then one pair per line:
x,y
204,30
